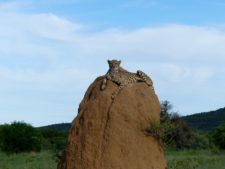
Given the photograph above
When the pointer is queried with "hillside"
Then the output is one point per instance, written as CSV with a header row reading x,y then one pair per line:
x,y
206,121
61,127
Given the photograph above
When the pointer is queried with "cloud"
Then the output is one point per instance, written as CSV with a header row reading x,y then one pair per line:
x,y
47,26
50,81
45,53
169,42
11,5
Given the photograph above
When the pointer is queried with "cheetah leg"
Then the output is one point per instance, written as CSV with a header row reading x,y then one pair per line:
x,y
104,84
145,78
117,92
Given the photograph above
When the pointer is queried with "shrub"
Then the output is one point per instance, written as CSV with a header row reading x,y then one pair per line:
x,y
174,132
1,135
53,139
20,137
154,130
177,134
218,136
199,141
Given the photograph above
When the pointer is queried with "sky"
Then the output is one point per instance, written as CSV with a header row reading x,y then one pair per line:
x,y
52,50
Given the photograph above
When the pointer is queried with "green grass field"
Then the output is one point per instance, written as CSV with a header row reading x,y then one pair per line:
x,y
43,160
203,159
175,160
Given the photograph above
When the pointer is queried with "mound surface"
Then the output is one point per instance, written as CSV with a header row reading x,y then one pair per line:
x,y
111,135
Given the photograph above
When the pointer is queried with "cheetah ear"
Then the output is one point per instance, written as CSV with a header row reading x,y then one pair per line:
x,y
119,62
108,61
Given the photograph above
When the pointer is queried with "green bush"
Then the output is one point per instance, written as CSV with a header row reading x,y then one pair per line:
x,y
177,134
20,137
1,126
167,130
53,139
199,141
174,132
217,136
154,130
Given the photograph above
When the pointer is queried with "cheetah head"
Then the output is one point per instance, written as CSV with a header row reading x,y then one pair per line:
x,y
114,64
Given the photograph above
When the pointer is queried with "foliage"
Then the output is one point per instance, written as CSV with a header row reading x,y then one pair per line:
x,y
54,139
199,141
165,113
154,129
218,136
61,127
206,121
19,137
174,131
182,136
1,126
167,130
51,133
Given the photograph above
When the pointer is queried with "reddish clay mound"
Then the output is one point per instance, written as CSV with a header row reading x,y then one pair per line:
x,y
107,135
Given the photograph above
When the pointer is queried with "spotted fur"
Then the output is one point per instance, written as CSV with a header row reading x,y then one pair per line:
x,y
122,77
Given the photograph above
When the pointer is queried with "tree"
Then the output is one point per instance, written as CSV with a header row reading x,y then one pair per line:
x,y
166,108
218,136
175,132
20,137
55,139
1,126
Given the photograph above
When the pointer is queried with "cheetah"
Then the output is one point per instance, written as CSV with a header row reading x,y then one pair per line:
x,y
122,77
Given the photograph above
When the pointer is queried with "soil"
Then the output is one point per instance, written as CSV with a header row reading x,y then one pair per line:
x,y
110,134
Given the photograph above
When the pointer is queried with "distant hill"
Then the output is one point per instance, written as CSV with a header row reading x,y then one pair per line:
x,y
61,127
206,121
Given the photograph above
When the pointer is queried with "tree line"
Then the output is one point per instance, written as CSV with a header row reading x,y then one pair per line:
x,y
22,137
173,132
206,121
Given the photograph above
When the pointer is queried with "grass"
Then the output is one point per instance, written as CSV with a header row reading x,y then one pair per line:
x,y
42,160
201,159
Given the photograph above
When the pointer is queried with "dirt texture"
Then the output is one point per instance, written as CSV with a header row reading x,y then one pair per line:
x,y
111,135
